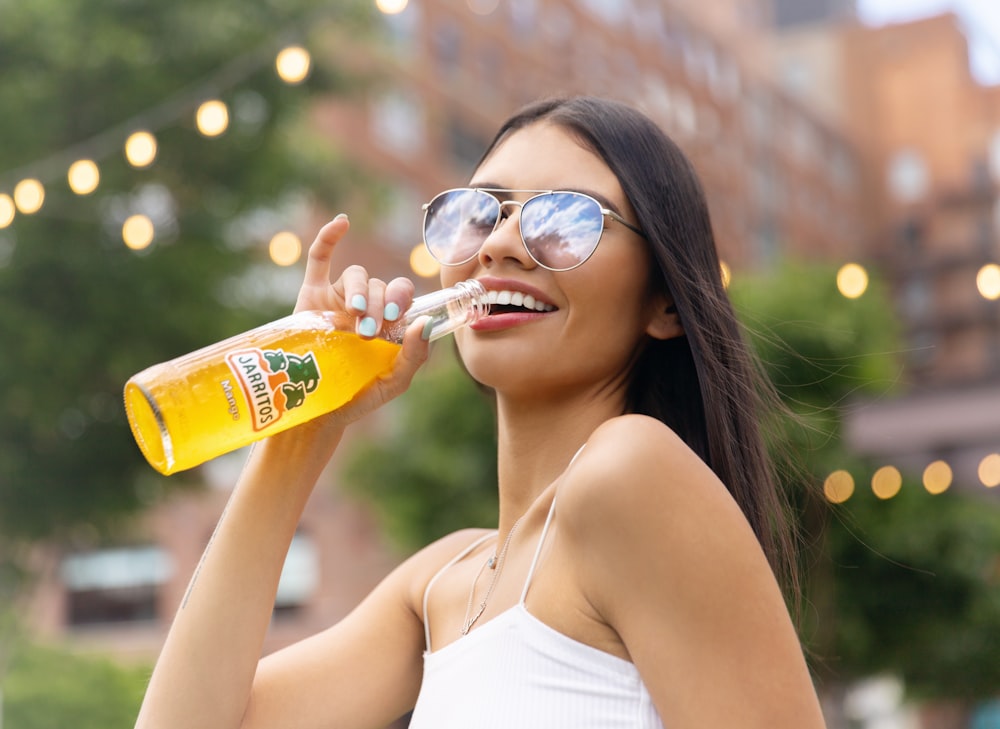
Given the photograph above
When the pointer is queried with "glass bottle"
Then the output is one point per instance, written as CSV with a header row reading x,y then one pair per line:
x,y
227,395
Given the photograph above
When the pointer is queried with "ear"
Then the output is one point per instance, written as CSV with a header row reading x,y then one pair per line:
x,y
664,323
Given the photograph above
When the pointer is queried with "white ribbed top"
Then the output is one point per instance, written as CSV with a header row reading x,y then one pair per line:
x,y
515,672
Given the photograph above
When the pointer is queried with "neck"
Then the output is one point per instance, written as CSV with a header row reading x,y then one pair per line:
x,y
536,442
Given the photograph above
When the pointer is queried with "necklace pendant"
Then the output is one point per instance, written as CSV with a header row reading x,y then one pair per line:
x,y
492,562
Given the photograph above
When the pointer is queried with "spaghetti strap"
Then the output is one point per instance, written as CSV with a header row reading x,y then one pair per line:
x,y
541,539
457,558
538,551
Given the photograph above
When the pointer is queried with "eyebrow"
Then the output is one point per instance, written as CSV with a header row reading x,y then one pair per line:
x,y
605,202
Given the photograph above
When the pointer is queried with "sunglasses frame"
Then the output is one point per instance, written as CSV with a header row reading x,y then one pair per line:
x,y
605,212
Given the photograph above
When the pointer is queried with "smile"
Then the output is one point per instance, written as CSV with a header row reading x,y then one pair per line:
x,y
506,301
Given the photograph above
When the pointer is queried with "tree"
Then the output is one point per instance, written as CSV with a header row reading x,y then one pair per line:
x,y
80,312
907,585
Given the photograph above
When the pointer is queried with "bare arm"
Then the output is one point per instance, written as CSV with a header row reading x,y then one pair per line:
x,y
208,667
676,570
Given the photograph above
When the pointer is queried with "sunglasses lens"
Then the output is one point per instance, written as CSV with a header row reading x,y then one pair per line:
x,y
457,222
562,229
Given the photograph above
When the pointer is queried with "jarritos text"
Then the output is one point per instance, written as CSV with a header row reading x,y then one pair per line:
x,y
273,382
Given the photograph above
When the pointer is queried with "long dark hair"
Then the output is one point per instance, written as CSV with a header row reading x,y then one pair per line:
x,y
706,385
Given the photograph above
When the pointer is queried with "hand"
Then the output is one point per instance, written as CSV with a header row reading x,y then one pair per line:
x,y
368,301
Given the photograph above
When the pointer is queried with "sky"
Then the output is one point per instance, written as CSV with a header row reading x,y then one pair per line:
x,y
980,19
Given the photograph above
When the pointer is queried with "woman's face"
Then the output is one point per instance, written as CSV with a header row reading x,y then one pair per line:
x,y
580,328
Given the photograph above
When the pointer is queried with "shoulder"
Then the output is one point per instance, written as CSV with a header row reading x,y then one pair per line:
x,y
639,503
633,462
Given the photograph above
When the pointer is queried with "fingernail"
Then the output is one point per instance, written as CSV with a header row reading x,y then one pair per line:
x,y
359,303
340,215
425,334
391,312
367,327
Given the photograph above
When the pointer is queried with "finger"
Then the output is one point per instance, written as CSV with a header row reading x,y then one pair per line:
x,y
398,297
352,287
412,355
320,252
371,323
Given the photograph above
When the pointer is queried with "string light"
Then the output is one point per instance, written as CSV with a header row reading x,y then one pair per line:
x,y
391,7
726,272
852,280
838,487
212,118
29,196
285,248
83,176
988,281
887,482
140,149
293,64
423,263
7,210
989,470
937,477
138,232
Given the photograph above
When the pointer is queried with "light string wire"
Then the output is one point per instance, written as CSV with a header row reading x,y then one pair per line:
x,y
107,142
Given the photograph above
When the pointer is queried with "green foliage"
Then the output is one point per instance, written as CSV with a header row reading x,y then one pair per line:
x,y
50,688
79,312
435,472
909,585
918,590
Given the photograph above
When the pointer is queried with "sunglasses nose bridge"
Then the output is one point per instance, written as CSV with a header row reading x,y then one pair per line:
x,y
505,240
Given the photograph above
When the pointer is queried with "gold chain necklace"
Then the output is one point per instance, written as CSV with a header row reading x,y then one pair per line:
x,y
495,563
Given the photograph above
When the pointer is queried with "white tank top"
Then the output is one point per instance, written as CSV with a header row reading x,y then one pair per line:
x,y
515,672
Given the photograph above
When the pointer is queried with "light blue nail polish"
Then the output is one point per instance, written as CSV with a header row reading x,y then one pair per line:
x,y
367,327
391,312
425,334
359,303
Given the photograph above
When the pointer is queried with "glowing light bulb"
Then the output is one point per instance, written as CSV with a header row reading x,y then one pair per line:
x,y
138,232
989,470
84,176
212,118
423,263
838,487
293,64
140,149
988,281
285,248
391,7
7,210
937,477
887,482
726,272
852,280
29,195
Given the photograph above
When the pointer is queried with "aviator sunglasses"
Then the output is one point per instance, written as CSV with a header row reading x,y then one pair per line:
x,y
559,229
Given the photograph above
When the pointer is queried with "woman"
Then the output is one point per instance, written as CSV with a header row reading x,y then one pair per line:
x,y
630,582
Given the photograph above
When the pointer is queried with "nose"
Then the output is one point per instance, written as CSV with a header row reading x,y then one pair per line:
x,y
505,242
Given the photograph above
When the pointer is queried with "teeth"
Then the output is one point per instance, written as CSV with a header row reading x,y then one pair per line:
x,y
516,298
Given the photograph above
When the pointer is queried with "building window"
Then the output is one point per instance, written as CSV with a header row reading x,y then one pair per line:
x,y
908,177
398,124
114,585
446,44
466,144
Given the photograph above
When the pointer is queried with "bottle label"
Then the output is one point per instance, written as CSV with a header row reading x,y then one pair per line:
x,y
273,381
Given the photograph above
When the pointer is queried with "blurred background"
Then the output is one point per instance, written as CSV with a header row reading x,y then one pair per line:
x,y
163,165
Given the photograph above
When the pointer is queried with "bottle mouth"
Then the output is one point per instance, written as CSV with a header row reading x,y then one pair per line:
x,y
149,428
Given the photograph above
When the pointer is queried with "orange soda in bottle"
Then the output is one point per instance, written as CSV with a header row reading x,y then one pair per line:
x,y
212,401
